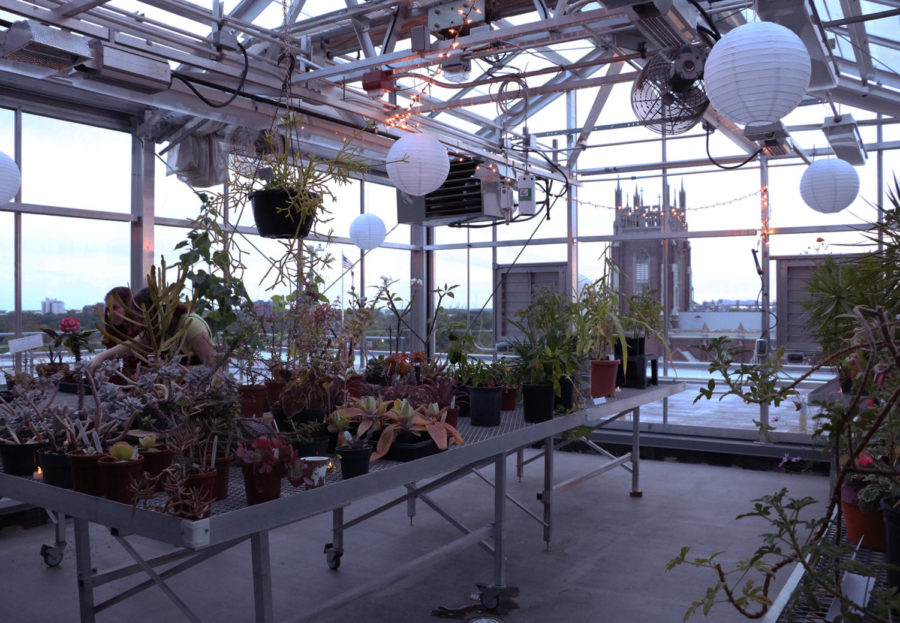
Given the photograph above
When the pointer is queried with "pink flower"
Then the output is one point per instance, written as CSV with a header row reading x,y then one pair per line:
x,y
69,324
865,459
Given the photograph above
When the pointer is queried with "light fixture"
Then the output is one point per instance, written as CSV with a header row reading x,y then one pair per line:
x,y
456,68
757,73
367,231
829,185
417,164
10,178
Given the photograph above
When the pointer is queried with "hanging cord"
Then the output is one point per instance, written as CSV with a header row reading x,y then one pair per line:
x,y
725,166
511,266
189,82
714,30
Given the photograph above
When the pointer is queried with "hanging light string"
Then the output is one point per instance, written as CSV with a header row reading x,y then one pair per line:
x,y
401,119
718,204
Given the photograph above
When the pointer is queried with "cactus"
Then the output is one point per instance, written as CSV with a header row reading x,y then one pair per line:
x,y
148,442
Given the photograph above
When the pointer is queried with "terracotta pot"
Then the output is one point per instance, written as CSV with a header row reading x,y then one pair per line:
x,y
603,377
865,525
452,417
273,391
223,471
261,486
508,398
118,478
204,484
253,400
85,472
155,461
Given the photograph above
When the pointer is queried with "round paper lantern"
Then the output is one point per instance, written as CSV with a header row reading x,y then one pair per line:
x,y
10,178
757,73
418,164
829,185
367,231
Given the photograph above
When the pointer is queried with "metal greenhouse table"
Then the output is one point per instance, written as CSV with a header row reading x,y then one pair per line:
x,y
232,522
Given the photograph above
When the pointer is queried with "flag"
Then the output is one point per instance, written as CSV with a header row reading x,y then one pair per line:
x,y
348,265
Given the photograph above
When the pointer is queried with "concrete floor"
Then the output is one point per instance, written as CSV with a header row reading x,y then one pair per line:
x,y
606,563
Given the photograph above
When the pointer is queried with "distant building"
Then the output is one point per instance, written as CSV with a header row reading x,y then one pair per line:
x,y
52,306
642,262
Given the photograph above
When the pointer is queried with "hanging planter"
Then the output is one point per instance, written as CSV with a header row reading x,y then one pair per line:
x,y
276,216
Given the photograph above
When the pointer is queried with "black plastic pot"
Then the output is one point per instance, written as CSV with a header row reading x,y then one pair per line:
x,y
566,398
636,374
19,459
272,220
537,402
411,448
56,469
354,461
484,405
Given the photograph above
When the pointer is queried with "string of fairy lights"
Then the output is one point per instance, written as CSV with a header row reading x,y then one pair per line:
x,y
400,119
673,212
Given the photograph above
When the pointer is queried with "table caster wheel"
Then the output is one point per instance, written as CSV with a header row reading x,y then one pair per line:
x,y
52,555
490,600
333,557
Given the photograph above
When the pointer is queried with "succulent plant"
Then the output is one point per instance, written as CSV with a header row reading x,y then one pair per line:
x,y
122,451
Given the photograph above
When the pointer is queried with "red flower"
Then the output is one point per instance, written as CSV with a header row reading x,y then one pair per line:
x,y
865,459
69,324
820,239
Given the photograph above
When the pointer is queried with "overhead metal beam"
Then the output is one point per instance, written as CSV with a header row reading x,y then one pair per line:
x,y
593,114
71,9
859,39
532,34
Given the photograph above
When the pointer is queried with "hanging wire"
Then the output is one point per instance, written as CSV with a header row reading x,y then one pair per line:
x,y
725,166
188,80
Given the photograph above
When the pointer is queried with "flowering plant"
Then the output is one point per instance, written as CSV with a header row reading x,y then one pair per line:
x,y
70,336
267,453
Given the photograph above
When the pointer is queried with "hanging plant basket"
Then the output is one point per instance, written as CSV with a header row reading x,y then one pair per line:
x,y
272,218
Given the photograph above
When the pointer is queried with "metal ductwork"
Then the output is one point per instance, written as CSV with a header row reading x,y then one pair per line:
x,y
40,51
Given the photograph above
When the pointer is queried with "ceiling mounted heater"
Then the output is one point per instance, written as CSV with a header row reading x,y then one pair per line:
x,y
40,51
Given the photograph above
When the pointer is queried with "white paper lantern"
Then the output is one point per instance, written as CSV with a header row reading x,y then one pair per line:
x,y
418,164
757,73
829,185
367,231
10,178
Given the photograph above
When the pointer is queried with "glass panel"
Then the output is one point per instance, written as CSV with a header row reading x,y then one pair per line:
x,y
381,199
174,198
75,165
7,293
75,261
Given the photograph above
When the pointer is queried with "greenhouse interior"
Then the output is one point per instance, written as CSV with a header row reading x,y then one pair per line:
x,y
581,311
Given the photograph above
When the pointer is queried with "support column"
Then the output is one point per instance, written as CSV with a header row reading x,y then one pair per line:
x,y
262,577
84,570
764,266
142,210
420,267
571,203
17,240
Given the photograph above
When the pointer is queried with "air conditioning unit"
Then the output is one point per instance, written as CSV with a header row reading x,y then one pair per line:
x,y
843,137
662,23
462,198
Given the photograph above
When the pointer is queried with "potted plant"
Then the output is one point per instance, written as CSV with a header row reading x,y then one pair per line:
x,y
288,190
265,461
120,471
402,437
354,453
70,336
485,390
21,424
510,384
643,320
860,428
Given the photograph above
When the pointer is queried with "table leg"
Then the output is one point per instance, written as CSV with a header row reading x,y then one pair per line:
x,y
547,493
636,453
262,577
499,516
85,572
